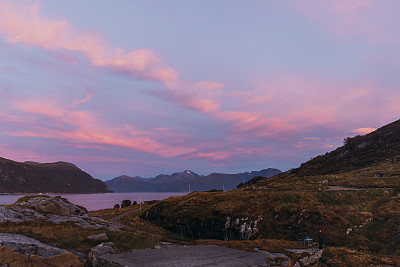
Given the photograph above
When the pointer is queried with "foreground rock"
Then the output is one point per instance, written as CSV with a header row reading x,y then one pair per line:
x,y
99,237
52,209
309,260
97,253
18,250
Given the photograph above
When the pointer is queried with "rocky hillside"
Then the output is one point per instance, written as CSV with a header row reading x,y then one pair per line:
x,y
179,182
58,177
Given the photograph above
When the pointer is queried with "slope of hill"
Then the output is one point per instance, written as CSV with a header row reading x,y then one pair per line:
x,y
57,177
357,152
357,225
179,182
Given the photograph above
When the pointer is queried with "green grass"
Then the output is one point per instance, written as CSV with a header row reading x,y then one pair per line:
x,y
69,236
288,214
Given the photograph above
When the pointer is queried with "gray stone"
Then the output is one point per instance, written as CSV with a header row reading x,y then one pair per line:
x,y
308,260
96,255
52,205
28,246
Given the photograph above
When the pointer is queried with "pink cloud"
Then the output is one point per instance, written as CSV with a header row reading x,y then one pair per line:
x,y
363,130
220,155
10,119
214,86
367,18
87,136
22,23
87,98
312,138
46,107
89,129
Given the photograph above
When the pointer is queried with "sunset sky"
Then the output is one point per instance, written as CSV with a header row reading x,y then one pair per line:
x,y
149,87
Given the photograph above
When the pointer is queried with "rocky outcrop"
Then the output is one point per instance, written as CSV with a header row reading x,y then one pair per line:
x,y
223,228
99,237
18,250
96,258
309,260
47,209
57,177
241,228
51,205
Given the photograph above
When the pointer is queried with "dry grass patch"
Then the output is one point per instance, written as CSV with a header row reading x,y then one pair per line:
x,y
340,256
107,214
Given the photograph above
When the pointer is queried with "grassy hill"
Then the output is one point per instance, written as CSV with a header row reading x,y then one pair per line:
x,y
358,152
358,226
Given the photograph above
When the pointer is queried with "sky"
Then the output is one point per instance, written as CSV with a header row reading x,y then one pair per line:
x,y
148,87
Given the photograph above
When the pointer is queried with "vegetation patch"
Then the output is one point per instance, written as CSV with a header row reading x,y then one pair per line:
x,y
68,236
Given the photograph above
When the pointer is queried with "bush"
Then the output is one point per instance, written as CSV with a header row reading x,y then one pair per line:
x,y
116,206
126,203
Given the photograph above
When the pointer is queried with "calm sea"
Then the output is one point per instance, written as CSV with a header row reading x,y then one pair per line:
x,y
100,201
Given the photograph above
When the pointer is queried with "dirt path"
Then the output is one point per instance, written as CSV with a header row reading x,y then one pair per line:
x,y
189,256
342,188
115,221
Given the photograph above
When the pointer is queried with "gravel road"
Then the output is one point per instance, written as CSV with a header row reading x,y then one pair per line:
x,y
189,256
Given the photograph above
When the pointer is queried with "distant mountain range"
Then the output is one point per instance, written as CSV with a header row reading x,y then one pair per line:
x,y
180,181
57,177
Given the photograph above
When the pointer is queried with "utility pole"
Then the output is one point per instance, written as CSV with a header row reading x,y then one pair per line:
x,y
189,188
140,202
223,187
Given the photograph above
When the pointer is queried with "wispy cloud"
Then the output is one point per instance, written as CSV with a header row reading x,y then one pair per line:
x,y
369,19
87,128
87,98
21,23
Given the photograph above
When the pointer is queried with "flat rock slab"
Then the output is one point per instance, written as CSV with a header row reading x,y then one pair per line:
x,y
28,246
18,250
188,256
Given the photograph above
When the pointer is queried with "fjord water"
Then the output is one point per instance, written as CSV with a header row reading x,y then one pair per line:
x,y
100,201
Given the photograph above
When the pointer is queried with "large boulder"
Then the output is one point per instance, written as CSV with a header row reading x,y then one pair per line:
x,y
51,205
52,209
